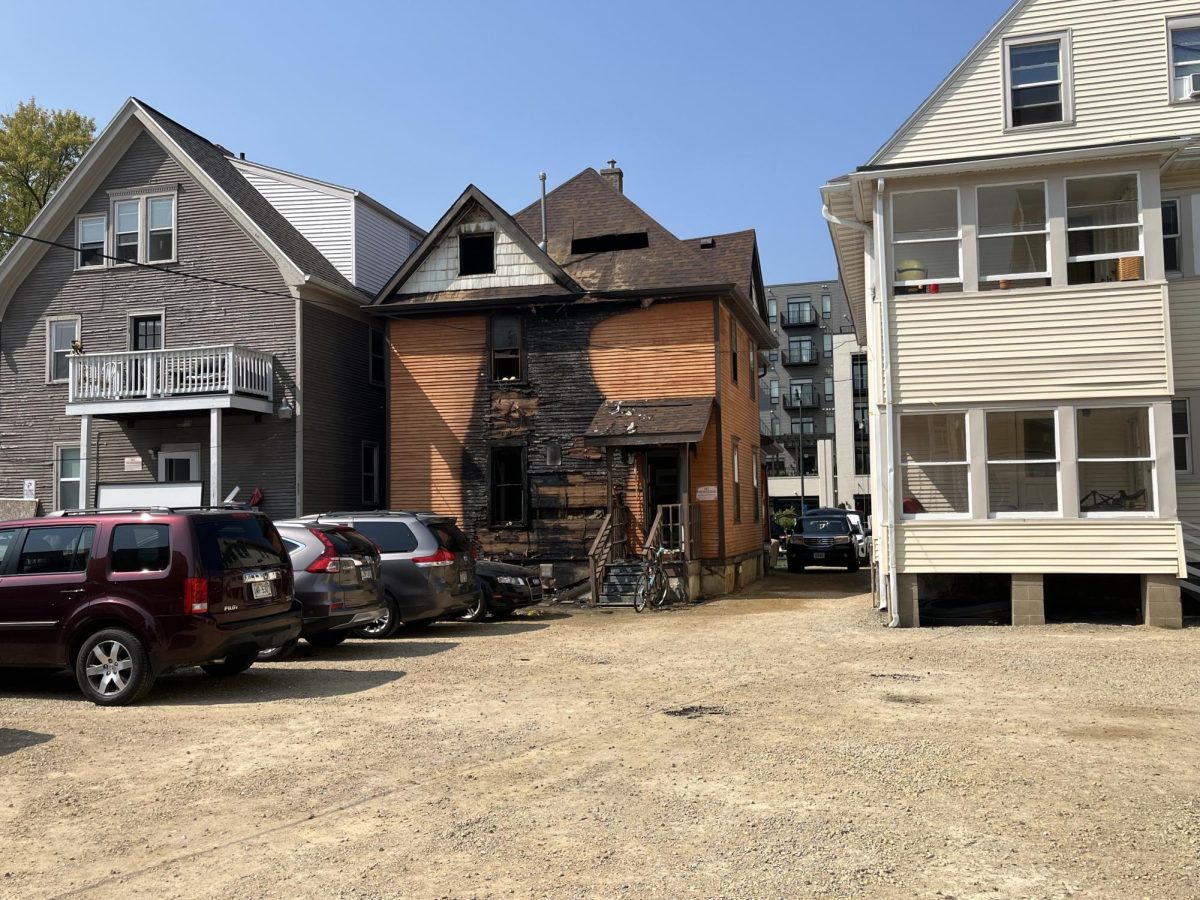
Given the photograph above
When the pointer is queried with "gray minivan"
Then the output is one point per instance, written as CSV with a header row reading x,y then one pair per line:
x,y
428,566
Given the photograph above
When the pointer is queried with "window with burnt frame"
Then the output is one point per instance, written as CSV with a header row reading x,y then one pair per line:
x,y
477,253
506,349
509,498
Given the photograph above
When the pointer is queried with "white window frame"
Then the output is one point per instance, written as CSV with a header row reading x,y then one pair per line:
x,y
57,448
1188,468
116,235
374,448
79,220
894,243
1152,458
1177,236
189,452
50,320
1177,24
144,247
965,464
826,306
1065,80
144,314
1056,462
1097,257
980,238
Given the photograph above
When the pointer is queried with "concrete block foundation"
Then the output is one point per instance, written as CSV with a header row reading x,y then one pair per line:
x,y
1028,600
1161,604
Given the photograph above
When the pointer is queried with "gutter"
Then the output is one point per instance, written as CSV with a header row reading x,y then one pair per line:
x,y
881,294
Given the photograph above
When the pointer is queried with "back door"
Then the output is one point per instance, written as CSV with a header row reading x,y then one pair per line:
x,y
249,572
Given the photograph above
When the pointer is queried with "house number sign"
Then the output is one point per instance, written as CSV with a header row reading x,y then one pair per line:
x,y
706,493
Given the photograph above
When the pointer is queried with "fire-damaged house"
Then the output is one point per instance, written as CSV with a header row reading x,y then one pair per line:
x,y
578,398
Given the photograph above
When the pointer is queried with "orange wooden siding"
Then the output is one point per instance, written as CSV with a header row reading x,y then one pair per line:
x,y
665,350
435,368
740,421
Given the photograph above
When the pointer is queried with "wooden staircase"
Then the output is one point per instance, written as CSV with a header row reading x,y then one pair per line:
x,y
620,582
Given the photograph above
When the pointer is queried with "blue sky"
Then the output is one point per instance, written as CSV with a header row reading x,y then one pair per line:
x,y
724,115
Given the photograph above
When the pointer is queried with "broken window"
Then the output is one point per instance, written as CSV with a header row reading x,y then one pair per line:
x,y
506,348
508,485
477,253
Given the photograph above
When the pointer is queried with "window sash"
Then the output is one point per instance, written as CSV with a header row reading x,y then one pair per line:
x,y
1181,408
67,487
1038,84
159,233
1131,224
1186,63
126,230
60,332
90,235
1172,237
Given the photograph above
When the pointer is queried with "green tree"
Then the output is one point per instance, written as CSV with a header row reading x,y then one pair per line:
x,y
38,149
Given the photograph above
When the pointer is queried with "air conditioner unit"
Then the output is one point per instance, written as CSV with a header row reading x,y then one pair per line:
x,y
1194,86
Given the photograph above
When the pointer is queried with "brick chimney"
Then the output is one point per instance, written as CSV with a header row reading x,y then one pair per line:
x,y
614,176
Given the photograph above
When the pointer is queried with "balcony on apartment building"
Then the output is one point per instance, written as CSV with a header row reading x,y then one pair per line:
x,y
802,398
798,316
223,376
803,356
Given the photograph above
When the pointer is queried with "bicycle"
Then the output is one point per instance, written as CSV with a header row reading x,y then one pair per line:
x,y
653,583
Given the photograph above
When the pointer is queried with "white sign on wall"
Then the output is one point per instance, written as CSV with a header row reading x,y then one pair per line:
x,y
133,464
706,493
29,489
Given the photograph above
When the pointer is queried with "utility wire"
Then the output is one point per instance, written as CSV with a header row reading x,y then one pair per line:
x,y
179,273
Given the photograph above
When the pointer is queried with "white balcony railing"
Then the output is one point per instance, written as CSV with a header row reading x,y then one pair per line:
x,y
155,374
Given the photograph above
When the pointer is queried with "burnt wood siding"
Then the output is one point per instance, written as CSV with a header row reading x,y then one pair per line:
x,y
341,410
739,420
446,414
256,454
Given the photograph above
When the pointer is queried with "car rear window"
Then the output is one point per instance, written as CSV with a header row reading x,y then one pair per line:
x,y
450,537
141,548
392,537
356,544
826,526
239,542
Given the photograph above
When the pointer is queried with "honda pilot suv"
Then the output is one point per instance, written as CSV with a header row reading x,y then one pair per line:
x,y
125,596
428,566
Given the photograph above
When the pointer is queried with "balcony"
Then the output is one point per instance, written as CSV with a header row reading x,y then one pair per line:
x,y
802,398
225,376
798,318
807,356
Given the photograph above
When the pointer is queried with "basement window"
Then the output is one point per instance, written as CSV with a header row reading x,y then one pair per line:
x,y
477,253
608,243
508,494
506,348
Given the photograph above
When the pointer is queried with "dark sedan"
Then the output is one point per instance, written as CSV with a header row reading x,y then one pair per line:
x,y
503,588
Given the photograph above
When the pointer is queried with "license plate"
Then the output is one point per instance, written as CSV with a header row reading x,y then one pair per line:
x,y
462,577
261,590
818,556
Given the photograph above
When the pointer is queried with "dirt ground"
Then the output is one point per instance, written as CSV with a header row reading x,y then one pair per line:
x,y
777,744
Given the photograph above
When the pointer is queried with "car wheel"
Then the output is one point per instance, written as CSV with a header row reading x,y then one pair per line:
x,y
328,638
479,609
383,627
233,664
275,654
113,668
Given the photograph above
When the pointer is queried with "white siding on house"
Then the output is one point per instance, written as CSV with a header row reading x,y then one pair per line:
x,y
439,270
325,218
1120,79
381,245
1071,343
1152,546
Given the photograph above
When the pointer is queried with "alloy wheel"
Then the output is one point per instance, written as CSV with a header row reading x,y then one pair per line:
x,y
109,667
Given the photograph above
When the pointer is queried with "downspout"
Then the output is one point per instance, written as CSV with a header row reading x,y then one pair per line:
x,y
297,398
882,293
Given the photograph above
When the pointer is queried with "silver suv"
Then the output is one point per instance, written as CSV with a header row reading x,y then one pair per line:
x,y
428,566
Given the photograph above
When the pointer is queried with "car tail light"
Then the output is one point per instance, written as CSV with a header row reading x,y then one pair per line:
x,y
328,561
195,596
440,559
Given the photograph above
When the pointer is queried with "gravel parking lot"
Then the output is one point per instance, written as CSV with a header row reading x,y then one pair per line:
x,y
776,744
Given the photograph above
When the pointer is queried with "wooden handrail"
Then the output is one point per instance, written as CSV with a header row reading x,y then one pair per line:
x,y
598,555
654,535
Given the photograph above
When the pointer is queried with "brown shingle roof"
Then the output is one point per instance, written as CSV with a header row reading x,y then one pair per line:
x,y
587,206
667,420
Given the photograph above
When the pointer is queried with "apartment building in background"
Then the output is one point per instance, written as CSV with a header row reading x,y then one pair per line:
x,y
1022,259
812,412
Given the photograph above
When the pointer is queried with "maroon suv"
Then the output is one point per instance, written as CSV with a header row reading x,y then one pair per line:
x,y
125,596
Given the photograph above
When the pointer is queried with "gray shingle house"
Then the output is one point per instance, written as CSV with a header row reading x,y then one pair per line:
x,y
207,332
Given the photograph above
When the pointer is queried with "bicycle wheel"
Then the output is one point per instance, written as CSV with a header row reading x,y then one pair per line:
x,y
640,592
658,594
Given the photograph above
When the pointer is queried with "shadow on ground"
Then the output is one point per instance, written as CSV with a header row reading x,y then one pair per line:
x,y
192,687
14,739
375,649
